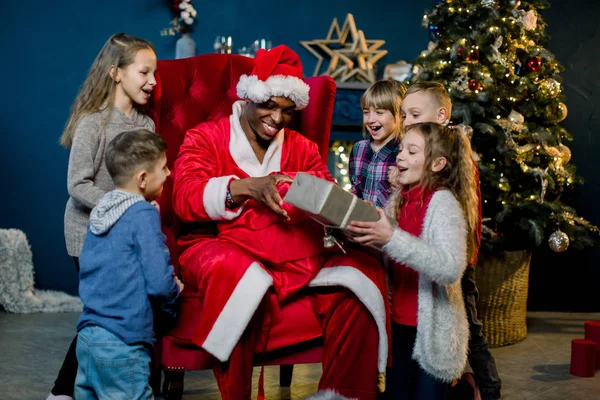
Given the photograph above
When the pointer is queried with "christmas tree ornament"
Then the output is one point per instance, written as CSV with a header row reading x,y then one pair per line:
x,y
534,64
460,52
488,3
556,112
561,111
328,241
516,117
565,153
495,55
514,3
559,241
548,88
525,148
474,85
528,20
552,151
517,68
434,33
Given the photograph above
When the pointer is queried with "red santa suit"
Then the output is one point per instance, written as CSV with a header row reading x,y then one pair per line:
x,y
233,275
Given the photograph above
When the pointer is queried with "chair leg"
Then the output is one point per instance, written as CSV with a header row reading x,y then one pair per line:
x,y
285,375
173,385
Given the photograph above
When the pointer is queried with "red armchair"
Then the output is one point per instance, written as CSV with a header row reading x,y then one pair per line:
x,y
190,91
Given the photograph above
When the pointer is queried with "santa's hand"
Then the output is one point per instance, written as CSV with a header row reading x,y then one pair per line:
x,y
264,190
376,233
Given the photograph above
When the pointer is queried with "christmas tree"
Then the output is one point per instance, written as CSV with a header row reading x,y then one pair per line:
x,y
507,91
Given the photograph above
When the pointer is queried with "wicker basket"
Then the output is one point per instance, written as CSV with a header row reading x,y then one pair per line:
x,y
503,282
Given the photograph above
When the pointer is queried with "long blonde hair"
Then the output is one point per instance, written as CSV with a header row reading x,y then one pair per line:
x,y
385,95
457,176
99,88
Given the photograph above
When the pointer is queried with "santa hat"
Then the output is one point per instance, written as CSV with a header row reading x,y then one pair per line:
x,y
277,72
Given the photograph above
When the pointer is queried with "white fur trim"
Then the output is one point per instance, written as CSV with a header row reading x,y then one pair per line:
x,y
295,89
440,253
214,196
327,394
367,292
242,153
239,309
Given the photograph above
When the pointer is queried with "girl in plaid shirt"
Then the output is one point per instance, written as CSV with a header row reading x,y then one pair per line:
x,y
371,158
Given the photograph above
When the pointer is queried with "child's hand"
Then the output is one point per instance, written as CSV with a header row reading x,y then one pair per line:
x,y
393,177
376,233
180,284
155,204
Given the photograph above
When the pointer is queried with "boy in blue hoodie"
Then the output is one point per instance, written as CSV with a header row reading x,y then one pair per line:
x,y
125,272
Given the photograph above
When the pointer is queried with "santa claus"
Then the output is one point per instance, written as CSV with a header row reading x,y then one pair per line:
x,y
233,171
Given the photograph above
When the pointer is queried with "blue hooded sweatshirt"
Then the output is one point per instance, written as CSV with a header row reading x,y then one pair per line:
x,y
125,268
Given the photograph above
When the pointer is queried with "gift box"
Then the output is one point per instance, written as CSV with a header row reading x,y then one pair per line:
x,y
327,203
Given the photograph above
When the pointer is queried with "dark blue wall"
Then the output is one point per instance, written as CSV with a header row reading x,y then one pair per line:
x,y
47,47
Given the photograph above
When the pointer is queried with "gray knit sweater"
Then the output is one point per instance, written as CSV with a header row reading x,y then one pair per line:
x,y
87,178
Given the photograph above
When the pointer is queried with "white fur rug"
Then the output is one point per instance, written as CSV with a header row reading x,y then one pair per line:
x,y
327,395
17,294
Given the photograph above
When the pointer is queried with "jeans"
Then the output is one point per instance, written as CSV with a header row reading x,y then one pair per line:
x,y
110,368
480,358
408,380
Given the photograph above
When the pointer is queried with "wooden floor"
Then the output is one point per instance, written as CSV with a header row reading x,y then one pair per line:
x,y
33,346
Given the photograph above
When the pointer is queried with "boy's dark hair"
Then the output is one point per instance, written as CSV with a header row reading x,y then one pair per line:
x,y
131,151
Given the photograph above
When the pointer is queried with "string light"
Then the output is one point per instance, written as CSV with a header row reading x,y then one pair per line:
x,y
340,172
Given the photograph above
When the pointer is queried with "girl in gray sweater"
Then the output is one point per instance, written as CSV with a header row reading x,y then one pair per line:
x,y
437,212
119,84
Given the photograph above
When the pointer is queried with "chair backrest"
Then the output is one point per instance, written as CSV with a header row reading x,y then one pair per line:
x,y
203,88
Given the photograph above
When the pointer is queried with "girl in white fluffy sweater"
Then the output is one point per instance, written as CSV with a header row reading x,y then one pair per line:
x,y
437,212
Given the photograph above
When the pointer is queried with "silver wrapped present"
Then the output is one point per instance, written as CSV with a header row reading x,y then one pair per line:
x,y
328,203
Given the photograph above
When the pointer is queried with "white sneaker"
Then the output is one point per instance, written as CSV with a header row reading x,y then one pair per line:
x,y
59,397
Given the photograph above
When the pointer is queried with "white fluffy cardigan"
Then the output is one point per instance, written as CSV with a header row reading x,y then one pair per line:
x,y
440,257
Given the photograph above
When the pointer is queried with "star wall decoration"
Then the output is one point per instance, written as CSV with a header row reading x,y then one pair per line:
x,y
351,56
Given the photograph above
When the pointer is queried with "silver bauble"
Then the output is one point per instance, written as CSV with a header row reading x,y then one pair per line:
x,y
328,241
558,241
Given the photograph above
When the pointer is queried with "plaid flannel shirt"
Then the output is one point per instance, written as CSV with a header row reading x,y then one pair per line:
x,y
369,170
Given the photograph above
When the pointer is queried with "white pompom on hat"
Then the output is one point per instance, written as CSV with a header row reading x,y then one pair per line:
x,y
277,72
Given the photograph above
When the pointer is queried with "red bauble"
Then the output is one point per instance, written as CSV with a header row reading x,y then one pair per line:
x,y
474,85
534,64
175,5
